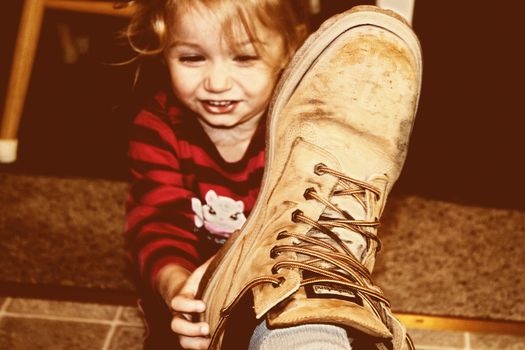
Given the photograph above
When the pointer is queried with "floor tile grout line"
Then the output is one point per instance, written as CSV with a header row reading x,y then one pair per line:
x,y
112,328
72,319
6,303
467,341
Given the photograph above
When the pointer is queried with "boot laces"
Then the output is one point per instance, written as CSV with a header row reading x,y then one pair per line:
x,y
328,258
324,253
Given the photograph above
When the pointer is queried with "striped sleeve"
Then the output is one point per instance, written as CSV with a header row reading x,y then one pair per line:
x,y
159,222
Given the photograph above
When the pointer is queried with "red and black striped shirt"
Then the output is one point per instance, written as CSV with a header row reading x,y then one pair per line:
x,y
185,198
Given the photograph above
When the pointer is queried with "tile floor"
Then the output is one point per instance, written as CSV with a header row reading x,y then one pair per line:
x,y
27,324
48,324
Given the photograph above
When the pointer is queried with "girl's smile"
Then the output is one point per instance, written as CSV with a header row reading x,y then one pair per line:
x,y
219,107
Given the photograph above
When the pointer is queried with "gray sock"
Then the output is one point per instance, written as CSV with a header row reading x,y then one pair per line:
x,y
303,337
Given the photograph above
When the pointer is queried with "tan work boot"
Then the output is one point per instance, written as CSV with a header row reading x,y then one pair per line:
x,y
338,134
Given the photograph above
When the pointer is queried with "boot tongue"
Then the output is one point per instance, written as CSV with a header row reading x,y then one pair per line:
x,y
355,242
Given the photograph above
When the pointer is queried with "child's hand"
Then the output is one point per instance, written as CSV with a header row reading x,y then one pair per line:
x,y
192,335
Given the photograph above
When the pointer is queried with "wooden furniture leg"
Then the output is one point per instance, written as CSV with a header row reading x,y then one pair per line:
x,y
26,44
25,49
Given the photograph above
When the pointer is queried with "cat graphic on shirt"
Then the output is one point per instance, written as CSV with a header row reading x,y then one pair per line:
x,y
220,216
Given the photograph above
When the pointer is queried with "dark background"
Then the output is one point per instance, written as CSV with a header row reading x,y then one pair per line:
x,y
467,143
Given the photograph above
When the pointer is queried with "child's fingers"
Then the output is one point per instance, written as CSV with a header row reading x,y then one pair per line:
x,y
183,327
196,343
181,303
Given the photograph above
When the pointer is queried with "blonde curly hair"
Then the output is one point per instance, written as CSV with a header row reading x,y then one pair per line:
x,y
149,29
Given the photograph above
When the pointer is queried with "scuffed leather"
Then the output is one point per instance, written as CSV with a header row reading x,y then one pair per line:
x,y
353,110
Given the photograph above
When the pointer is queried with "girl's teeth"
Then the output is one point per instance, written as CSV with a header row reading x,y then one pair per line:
x,y
219,103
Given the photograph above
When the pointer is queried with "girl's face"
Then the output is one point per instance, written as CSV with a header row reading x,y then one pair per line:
x,y
223,85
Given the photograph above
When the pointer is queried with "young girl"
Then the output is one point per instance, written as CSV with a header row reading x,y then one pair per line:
x,y
197,150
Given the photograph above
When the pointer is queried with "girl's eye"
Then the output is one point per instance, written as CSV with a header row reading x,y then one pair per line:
x,y
246,58
191,59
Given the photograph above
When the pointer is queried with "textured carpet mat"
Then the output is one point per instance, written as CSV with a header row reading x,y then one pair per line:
x,y
438,258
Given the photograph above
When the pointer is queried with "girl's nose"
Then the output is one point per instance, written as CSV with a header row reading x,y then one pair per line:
x,y
218,78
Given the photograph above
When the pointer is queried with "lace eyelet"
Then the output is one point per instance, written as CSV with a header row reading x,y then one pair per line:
x,y
295,214
282,235
308,193
273,253
317,169
274,270
281,282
